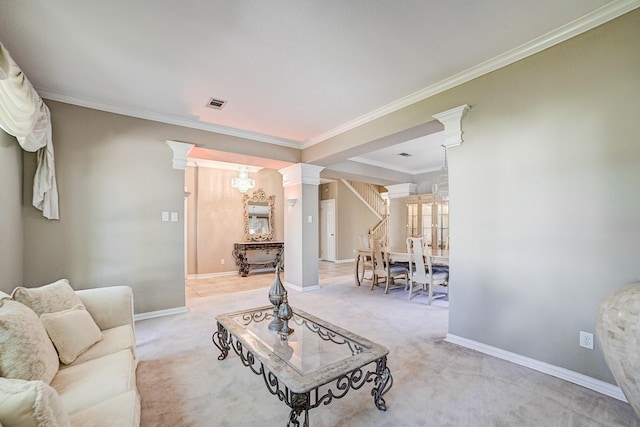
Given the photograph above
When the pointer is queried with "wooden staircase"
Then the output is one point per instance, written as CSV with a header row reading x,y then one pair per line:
x,y
370,196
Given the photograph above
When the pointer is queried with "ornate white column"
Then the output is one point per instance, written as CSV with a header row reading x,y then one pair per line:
x,y
301,228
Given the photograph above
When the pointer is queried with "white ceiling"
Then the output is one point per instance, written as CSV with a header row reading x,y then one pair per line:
x,y
294,72
425,154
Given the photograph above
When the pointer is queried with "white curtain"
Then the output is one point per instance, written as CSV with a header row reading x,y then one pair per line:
x,y
25,116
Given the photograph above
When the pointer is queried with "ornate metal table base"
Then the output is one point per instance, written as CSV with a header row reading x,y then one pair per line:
x,y
301,403
273,248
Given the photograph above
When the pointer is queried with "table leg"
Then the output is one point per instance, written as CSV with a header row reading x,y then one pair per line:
x,y
383,383
357,272
222,338
241,261
244,265
299,404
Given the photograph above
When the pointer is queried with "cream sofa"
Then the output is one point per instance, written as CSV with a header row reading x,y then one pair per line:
x,y
67,358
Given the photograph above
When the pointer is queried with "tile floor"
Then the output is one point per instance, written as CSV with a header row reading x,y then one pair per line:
x,y
196,288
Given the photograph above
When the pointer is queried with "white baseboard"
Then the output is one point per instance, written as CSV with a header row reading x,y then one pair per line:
x,y
337,261
343,261
160,313
556,371
209,275
300,288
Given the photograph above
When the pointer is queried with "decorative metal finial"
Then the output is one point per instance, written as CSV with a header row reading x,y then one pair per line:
x,y
276,293
285,313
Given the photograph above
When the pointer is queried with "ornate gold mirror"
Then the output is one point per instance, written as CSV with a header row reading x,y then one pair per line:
x,y
258,215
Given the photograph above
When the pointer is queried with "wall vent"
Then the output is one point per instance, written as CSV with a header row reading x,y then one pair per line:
x,y
405,154
216,104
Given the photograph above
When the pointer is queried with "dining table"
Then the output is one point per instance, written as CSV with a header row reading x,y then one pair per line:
x,y
396,255
438,256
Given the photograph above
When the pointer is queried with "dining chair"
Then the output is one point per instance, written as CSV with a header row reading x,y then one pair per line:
x,y
384,268
422,272
364,261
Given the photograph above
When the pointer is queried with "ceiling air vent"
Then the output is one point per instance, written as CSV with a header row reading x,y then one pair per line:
x,y
405,154
216,104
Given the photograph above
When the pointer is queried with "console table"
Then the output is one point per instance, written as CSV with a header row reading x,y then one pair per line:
x,y
267,254
317,363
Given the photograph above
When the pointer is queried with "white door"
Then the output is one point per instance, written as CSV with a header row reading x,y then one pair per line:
x,y
328,230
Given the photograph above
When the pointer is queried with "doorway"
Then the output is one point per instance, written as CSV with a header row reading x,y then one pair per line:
x,y
328,230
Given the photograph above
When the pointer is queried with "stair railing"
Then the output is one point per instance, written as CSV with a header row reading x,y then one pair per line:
x,y
369,196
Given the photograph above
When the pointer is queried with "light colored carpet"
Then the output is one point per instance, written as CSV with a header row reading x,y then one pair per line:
x,y
436,383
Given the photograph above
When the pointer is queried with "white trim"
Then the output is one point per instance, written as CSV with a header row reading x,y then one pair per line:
x,y
300,288
384,165
180,153
300,173
556,371
591,20
214,164
210,275
452,121
397,191
169,119
344,261
160,313
337,261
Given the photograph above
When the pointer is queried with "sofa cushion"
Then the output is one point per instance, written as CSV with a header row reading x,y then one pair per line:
x,y
86,384
114,340
122,411
110,306
72,332
30,403
26,352
49,298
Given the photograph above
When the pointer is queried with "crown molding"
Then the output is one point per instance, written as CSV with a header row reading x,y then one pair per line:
x,y
168,119
589,21
384,165
214,164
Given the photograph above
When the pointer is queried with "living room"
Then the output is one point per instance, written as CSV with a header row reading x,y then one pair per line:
x,y
544,207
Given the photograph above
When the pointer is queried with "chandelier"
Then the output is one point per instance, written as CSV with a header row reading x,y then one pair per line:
x,y
243,183
441,187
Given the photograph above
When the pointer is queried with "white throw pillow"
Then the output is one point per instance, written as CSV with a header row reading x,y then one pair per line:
x,y
30,403
26,352
51,298
71,331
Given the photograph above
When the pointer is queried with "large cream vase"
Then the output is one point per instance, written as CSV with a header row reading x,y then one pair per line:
x,y
618,332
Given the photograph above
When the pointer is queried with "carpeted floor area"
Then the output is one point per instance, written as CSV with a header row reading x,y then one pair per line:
x,y
436,383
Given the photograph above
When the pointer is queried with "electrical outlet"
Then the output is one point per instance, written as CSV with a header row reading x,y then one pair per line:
x,y
586,340
222,261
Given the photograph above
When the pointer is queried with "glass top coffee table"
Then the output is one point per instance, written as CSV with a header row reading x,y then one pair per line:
x,y
317,363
